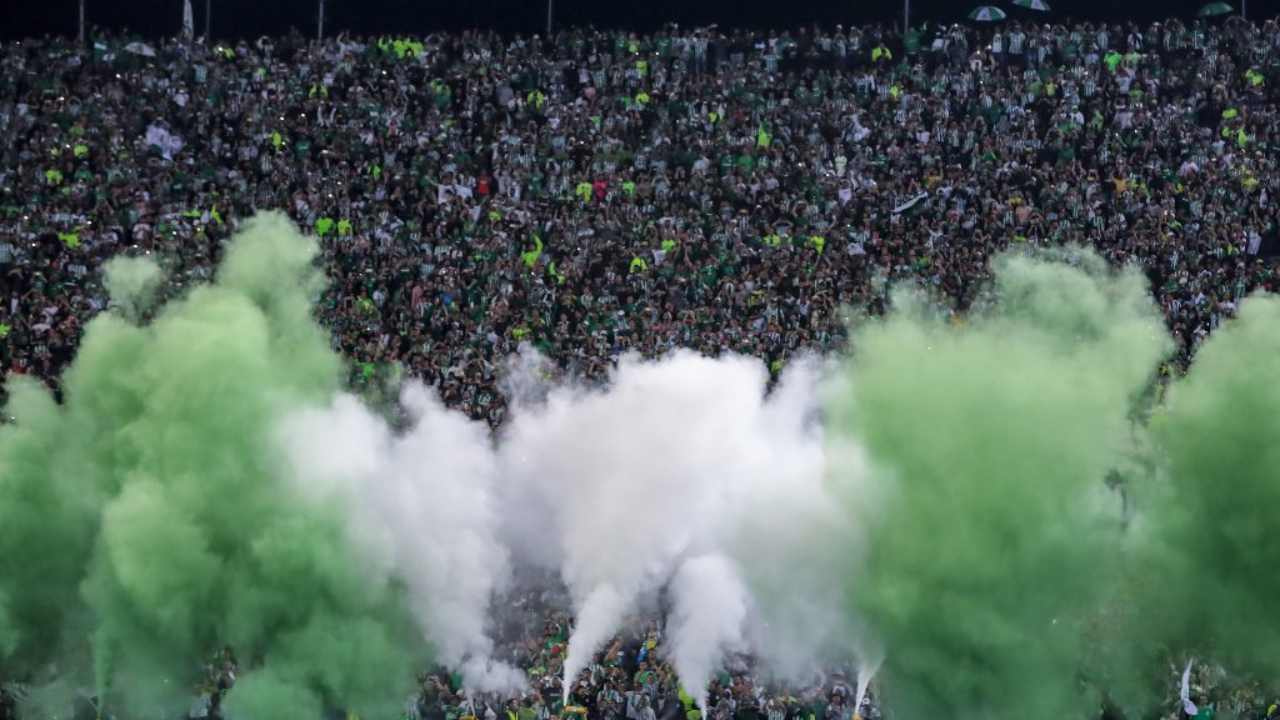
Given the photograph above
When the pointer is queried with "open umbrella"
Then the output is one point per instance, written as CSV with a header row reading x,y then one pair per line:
x,y
987,13
140,48
1214,9
1038,5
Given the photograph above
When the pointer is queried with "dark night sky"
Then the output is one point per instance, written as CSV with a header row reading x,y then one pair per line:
x,y
19,18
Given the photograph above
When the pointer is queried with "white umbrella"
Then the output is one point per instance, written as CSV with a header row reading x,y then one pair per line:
x,y
987,13
1215,9
1038,5
141,48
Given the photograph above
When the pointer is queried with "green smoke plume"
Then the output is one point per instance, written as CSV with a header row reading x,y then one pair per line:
x,y
144,524
1212,517
133,283
990,531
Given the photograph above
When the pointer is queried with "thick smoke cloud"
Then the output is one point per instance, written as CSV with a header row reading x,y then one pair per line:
x,y
711,604
936,501
147,512
671,460
207,483
1209,540
422,504
993,532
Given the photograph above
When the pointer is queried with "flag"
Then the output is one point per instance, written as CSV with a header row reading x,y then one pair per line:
x,y
188,20
530,257
909,203
553,272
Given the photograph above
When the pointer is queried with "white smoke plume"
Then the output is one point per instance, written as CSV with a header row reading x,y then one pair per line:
x,y
867,668
422,506
598,615
672,459
711,603
682,473
629,477
784,511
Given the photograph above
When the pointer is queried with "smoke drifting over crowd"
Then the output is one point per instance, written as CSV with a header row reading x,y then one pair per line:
x,y
1213,519
655,478
936,501
145,521
990,441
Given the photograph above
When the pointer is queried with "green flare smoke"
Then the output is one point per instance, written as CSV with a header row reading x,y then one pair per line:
x,y
990,532
1213,538
144,524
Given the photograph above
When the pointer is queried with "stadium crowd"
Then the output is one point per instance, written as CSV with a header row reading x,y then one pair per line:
x,y
629,680
600,192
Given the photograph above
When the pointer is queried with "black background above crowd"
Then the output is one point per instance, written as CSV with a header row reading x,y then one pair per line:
x,y
249,18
